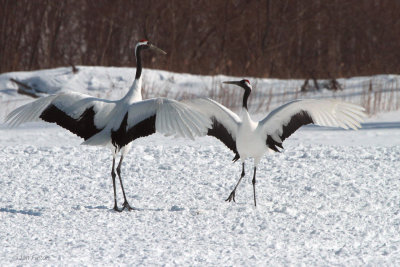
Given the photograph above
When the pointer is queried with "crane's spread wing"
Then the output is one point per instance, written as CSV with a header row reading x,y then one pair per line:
x,y
166,116
81,114
224,122
285,120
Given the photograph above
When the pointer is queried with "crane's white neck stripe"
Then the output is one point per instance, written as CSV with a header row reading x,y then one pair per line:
x,y
248,83
140,44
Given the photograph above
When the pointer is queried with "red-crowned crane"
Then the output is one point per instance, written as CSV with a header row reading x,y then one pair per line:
x,y
115,124
251,139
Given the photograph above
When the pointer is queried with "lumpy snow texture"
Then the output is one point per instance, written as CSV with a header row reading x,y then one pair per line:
x,y
332,197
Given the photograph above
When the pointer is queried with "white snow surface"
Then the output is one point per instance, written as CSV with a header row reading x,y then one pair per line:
x,y
332,197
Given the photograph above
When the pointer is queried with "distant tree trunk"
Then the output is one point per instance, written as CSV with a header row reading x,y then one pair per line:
x,y
283,39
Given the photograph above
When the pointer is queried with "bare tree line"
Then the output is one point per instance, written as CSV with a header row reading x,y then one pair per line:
x,y
264,38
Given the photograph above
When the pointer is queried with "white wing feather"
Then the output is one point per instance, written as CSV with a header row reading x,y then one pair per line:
x,y
213,109
326,112
172,118
29,112
72,103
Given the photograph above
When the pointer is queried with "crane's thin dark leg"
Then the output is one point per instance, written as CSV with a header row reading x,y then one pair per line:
x,y
254,186
126,204
115,192
232,195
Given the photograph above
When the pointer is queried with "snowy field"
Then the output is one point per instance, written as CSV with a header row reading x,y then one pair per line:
x,y
332,197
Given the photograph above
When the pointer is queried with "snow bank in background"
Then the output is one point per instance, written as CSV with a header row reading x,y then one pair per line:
x,y
377,93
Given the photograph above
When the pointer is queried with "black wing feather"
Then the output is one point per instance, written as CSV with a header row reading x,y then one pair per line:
x,y
83,127
219,131
122,136
296,121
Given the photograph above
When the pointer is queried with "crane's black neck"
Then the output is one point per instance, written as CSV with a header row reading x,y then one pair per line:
x,y
138,62
246,95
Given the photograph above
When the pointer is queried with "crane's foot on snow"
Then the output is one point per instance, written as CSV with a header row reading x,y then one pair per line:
x,y
231,196
127,206
117,209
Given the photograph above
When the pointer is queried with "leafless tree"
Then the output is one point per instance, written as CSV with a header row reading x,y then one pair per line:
x,y
264,38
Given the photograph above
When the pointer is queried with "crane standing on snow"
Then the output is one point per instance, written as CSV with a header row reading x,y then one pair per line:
x,y
248,138
116,124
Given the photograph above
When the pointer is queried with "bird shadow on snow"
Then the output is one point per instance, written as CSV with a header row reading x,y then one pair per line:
x,y
148,209
381,125
112,210
365,126
97,208
172,209
24,212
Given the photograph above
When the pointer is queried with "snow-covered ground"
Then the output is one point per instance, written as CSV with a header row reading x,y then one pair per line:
x,y
332,197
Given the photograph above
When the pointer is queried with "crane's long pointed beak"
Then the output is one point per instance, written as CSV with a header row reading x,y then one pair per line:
x,y
232,82
157,49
